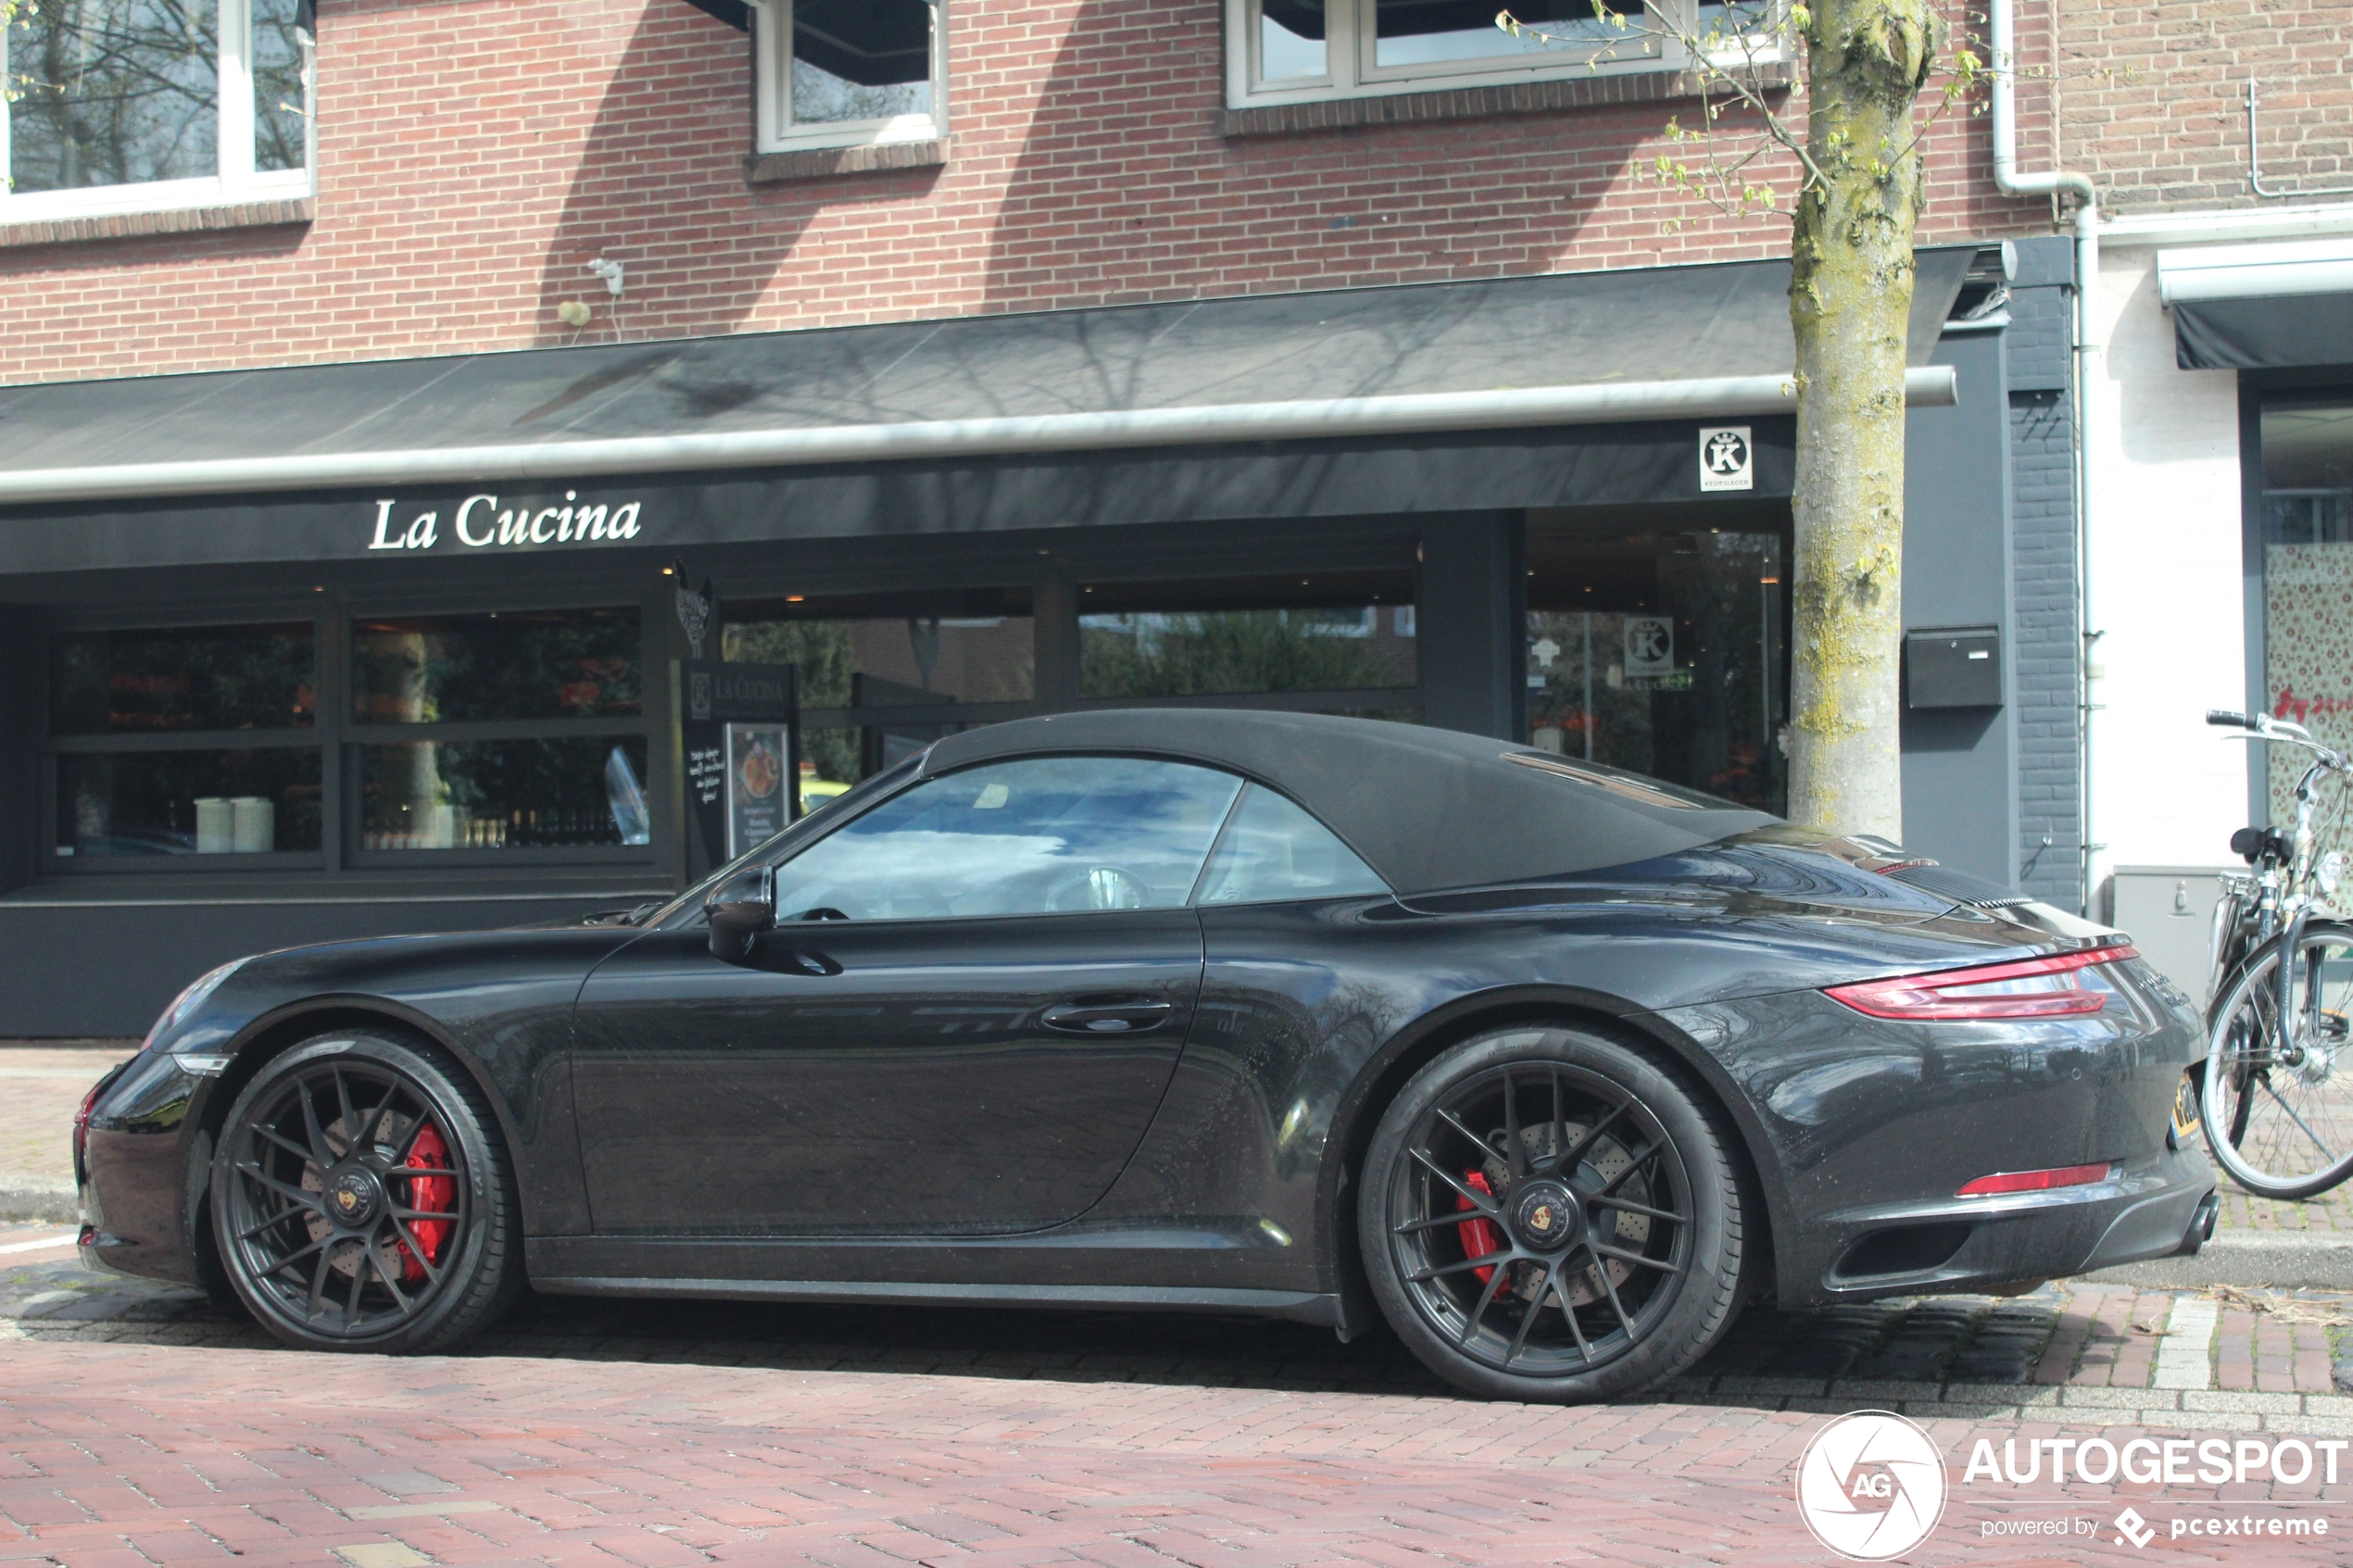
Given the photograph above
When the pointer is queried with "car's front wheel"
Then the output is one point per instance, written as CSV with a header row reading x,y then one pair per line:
x,y
1549,1215
363,1202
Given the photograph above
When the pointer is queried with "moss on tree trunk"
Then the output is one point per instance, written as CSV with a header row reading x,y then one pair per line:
x,y
1850,302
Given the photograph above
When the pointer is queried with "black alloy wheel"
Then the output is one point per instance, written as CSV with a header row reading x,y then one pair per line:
x,y
1548,1215
363,1201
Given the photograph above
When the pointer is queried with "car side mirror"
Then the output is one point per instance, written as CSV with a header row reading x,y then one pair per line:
x,y
739,910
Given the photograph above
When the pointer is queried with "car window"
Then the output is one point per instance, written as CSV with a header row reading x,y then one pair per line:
x,y
1274,851
1035,836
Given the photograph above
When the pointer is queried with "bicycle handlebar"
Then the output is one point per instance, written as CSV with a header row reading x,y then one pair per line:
x,y
2263,726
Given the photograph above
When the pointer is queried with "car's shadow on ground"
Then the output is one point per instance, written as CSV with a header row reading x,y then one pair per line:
x,y
1962,1339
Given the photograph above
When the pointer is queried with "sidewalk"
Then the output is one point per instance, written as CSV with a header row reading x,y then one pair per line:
x,y
684,1433
41,1087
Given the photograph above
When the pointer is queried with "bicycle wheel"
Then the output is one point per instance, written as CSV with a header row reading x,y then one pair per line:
x,y
2278,1111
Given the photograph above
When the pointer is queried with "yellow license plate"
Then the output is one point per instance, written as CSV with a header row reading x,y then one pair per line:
x,y
2186,1119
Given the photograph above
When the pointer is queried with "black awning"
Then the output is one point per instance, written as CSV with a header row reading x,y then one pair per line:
x,y
1653,326
1646,324
2278,331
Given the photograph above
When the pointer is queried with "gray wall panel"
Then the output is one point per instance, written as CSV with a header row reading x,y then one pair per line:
x,y
1959,804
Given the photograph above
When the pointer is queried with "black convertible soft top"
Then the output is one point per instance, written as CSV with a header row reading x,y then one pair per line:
x,y
1427,808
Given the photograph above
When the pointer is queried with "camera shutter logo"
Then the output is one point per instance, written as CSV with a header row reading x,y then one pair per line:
x,y
1872,1486
1726,458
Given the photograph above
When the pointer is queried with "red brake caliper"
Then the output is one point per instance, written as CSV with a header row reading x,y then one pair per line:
x,y
430,1194
1478,1236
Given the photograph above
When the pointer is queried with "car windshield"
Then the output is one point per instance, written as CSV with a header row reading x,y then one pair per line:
x,y
690,902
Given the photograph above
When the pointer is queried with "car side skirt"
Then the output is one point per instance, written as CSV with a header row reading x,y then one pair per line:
x,y
1323,1310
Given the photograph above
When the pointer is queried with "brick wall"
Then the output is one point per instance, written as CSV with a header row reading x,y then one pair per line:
x,y
474,157
2151,97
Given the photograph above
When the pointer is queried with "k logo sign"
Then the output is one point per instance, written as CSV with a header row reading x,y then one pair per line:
x,y
1872,1486
1727,460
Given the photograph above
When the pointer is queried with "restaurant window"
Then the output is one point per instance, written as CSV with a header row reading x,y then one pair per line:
x,y
2307,526
1292,50
183,741
1338,641
500,732
884,675
128,106
1661,653
846,72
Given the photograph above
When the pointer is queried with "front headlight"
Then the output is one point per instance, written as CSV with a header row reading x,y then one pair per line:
x,y
2331,871
185,1004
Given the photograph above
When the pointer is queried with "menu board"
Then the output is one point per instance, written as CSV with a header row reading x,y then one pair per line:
x,y
757,772
739,729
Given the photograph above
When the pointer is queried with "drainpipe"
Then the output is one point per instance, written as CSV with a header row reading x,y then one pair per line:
x,y
2087,358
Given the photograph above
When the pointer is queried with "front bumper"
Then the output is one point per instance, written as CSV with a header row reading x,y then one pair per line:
x,y
2141,1211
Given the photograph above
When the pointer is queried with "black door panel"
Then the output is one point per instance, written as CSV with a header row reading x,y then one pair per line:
x,y
905,1077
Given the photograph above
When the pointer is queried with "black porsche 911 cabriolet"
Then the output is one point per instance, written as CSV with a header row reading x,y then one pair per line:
x,y
1550,1066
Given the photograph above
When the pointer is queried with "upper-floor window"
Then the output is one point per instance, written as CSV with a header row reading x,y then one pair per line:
x,y
1283,51
844,73
131,106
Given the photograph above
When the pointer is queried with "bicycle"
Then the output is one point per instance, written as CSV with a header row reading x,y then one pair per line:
x,y
2277,1114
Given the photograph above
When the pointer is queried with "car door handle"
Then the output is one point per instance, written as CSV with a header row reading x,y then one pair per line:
x,y
804,960
1126,1015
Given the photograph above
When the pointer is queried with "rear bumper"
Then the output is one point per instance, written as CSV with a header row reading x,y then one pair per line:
x,y
2142,1211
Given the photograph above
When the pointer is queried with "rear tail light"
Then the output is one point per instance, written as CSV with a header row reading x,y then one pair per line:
x,y
2036,1181
81,1129
2053,987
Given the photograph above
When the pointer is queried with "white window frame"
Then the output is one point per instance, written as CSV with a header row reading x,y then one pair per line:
x,y
775,132
237,181
1351,72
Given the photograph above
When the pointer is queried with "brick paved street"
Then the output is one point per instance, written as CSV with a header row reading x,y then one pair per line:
x,y
140,1424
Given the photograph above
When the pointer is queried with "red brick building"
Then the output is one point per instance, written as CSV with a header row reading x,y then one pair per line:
x,y
988,359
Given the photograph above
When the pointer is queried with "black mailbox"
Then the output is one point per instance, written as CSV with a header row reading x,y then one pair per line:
x,y
1959,667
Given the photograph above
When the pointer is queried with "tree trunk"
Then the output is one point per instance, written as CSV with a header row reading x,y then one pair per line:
x,y
1850,302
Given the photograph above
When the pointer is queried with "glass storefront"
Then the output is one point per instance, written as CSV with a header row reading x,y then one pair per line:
x,y
514,729
2306,525
1660,652
421,736
861,655
1335,632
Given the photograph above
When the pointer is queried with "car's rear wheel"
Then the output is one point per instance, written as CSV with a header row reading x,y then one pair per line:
x,y
363,1202
1549,1215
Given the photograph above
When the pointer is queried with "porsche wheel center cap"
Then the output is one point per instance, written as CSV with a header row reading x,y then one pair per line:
x,y
1545,1215
351,1198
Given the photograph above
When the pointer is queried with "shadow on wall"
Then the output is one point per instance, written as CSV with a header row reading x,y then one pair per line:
x,y
1123,172
659,187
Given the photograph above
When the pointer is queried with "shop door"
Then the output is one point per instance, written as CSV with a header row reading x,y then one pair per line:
x,y
1661,652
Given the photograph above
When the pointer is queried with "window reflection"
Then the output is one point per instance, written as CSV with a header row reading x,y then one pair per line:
x,y
513,664
1291,42
111,92
869,651
1330,631
1273,851
1047,835
504,795
142,803
860,59
1410,32
182,677
280,99
2308,583
1660,654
